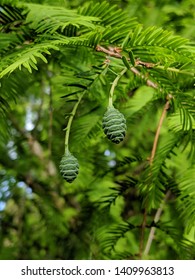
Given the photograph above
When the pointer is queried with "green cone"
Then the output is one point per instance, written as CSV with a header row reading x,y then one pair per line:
x,y
69,167
114,125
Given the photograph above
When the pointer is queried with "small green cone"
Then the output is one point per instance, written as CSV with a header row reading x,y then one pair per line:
x,y
114,125
69,167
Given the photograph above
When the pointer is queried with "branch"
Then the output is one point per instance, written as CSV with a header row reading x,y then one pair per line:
x,y
72,114
159,211
148,81
166,107
115,52
156,219
111,52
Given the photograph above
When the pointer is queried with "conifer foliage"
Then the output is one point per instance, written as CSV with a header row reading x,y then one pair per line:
x,y
69,77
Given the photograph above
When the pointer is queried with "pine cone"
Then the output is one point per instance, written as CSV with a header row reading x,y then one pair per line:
x,y
69,167
114,125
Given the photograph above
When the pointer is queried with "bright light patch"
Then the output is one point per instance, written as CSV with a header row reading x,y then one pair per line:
x,y
107,153
112,163
2,205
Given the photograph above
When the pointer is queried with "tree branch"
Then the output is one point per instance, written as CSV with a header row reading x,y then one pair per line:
x,y
154,147
156,219
115,52
111,52
159,211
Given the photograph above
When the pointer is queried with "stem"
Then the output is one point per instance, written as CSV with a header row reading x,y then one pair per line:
x,y
114,53
114,84
159,211
174,70
109,52
156,219
166,107
72,114
148,82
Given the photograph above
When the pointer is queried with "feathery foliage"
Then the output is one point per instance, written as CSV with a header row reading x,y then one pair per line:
x,y
62,66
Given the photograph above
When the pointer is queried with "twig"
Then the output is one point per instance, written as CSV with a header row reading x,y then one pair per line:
x,y
159,211
114,84
66,140
148,81
111,52
156,219
115,52
166,107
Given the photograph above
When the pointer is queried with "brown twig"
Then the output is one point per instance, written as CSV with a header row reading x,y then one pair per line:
x,y
166,107
115,52
153,152
156,219
148,81
111,51
159,211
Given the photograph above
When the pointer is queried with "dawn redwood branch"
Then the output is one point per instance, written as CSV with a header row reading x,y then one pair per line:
x,y
111,52
154,147
159,211
148,81
115,52
156,219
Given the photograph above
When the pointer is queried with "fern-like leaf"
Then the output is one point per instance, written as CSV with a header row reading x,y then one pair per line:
x,y
50,19
113,234
27,58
